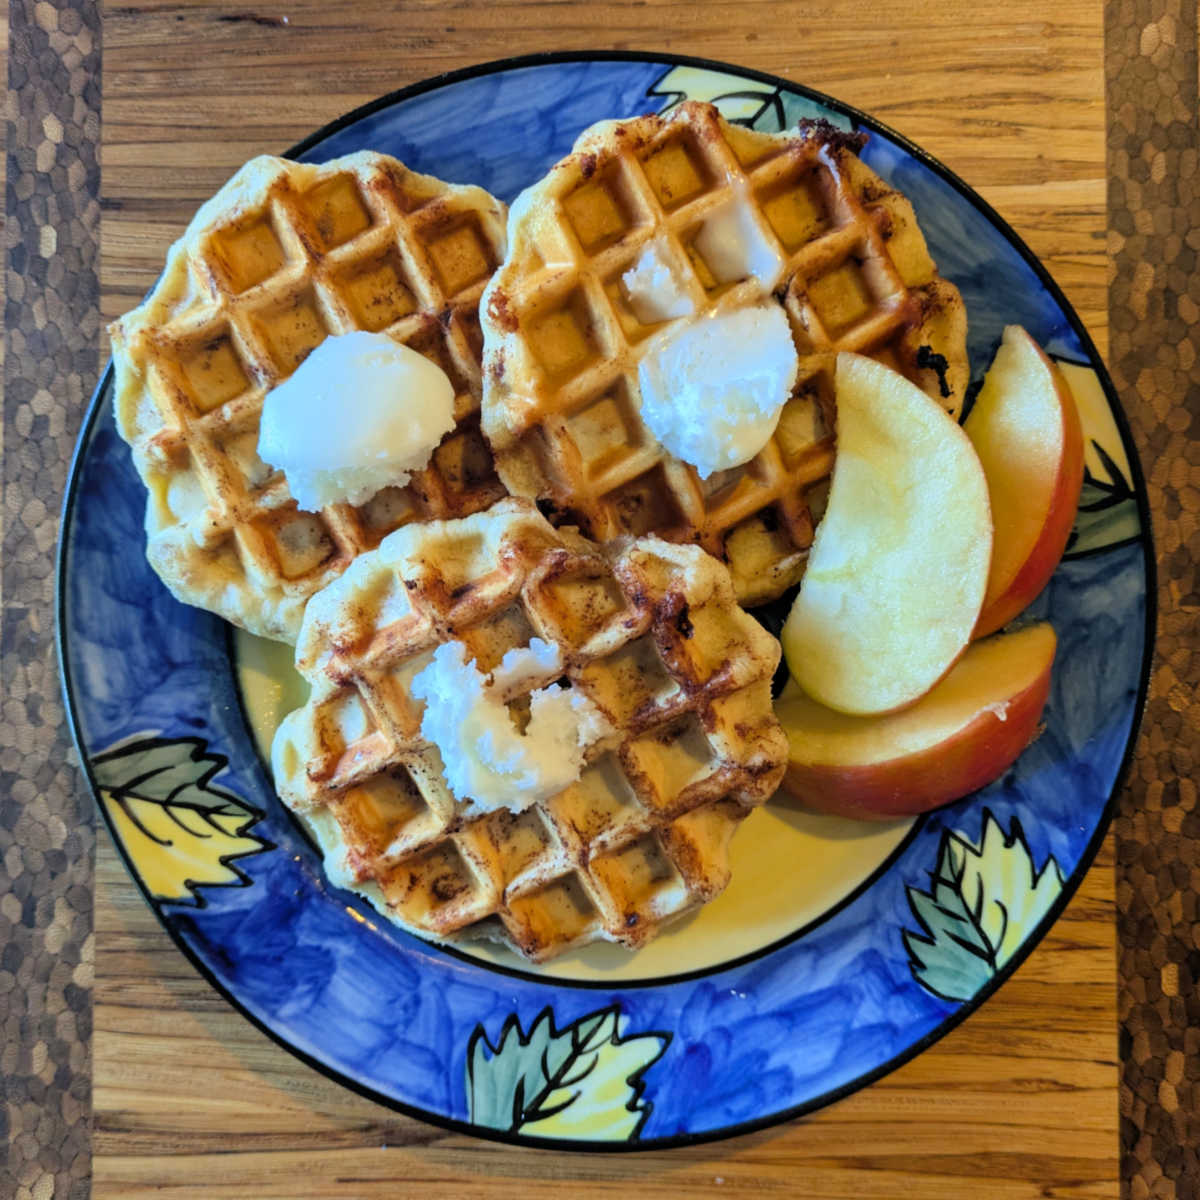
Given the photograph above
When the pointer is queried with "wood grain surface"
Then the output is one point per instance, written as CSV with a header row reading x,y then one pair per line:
x,y
189,1098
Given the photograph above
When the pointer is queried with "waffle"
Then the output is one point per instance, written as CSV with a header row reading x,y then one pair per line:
x,y
562,341
651,633
285,254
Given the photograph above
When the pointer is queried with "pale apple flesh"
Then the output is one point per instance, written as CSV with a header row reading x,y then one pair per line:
x,y
1025,428
959,737
899,565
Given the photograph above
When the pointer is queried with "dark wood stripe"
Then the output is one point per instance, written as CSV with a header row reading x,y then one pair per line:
x,y
1154,354
46,820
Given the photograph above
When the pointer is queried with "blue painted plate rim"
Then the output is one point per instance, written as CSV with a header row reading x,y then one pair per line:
x,y
1070,884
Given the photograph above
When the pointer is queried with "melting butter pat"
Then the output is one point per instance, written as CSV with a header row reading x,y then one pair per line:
x,y
653,287
359,414
712,393
485,757
734,246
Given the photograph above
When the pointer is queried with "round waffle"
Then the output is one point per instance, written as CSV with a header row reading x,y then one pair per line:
x,y
649,631
283,256
562,339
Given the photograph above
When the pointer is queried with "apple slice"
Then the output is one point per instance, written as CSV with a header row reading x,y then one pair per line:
x,y
1025,428
897,570
960,736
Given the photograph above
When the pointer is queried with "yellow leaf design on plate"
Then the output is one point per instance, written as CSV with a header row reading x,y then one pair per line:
x,y
736,98
984,900
752,102
1104,451
583,1082
1108,510
1002,887
178,831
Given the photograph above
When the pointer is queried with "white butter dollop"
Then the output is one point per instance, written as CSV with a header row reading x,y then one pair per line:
x,y
360,413
712,393
734,246
485,758
653,287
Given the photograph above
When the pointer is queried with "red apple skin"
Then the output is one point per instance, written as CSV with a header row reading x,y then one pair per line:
x,y
1048,548
974,755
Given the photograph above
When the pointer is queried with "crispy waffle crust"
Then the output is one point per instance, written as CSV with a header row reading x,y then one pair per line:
x,y
652,634
562,342
284,255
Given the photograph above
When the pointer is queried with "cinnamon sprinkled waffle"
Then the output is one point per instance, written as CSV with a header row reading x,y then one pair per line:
x,y
650,632
284,255
562,341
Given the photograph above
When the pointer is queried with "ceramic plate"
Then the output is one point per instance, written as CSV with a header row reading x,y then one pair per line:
x,y
839,951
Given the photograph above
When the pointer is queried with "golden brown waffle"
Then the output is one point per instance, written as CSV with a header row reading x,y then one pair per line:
x,y
284,255
562,343
650,632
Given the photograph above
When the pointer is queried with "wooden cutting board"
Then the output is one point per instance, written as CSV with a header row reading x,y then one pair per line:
x,y
190,1099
